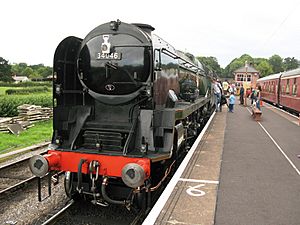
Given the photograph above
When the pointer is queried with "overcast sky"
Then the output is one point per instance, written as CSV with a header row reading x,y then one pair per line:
x,y
31,29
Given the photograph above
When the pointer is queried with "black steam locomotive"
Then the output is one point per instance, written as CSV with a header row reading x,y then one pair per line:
x,y
126,107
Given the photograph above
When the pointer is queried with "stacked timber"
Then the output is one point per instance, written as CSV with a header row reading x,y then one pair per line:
x,y
28,114
34,113
4,122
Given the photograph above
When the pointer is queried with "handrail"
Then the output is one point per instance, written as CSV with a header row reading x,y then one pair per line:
x,y
192,66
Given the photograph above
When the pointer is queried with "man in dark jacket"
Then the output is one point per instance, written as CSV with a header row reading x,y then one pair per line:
x,y
242,92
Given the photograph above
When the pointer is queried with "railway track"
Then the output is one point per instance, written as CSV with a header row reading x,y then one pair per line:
x,y
68,214
55,216
15,175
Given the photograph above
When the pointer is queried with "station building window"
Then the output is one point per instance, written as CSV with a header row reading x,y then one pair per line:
x,y
240,77
248,77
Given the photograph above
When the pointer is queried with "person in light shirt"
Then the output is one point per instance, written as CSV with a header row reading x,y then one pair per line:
x,y
231,102
217,91
225,87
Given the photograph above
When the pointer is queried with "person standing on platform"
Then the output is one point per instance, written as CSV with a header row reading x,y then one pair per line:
x,y
225,87
242,92
248,92
231,102
253,96
230,89
258,95
222,93
217,91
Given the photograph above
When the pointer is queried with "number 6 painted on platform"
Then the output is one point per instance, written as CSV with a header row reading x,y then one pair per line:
x,y
193,190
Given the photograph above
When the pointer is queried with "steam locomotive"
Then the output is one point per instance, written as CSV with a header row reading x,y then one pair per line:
x,y
126,106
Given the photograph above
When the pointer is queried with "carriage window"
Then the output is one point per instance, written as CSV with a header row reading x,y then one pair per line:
x,y
272,87
287,90
294,91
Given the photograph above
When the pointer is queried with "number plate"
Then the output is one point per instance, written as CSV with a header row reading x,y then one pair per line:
x,y
115,55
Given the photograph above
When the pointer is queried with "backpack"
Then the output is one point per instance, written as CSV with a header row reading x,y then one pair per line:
x,y
254,94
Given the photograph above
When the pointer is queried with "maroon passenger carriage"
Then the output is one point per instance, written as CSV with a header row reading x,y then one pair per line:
x,y
282,89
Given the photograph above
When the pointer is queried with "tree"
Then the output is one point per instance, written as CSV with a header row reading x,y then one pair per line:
x,y
264,68
290,63
257,61
276,63
237,63
5,70
210,64
35,75
44,71
18,69
32,71
27,72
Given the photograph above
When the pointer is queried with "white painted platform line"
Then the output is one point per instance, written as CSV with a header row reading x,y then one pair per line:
x,y
279,109
277,145
199,181
154,213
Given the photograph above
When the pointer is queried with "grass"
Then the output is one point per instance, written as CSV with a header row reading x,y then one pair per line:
x,y
42,131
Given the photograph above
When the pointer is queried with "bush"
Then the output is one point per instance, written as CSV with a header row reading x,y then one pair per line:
x,y
25,91
26,84
9,103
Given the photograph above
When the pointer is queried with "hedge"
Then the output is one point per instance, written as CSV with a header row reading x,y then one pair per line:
x,y
24,91
26,84
9,103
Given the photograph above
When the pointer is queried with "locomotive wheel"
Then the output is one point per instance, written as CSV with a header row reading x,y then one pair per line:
x,y
69,187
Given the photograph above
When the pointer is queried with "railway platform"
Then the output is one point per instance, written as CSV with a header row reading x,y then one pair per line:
x,y
240,171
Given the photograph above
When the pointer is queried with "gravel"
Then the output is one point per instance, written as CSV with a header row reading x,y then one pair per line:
x,y
22,206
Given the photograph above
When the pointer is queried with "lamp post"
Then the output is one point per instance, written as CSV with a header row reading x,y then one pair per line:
x,y
245,80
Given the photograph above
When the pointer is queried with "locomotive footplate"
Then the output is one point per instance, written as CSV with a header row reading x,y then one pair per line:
x,y
183,109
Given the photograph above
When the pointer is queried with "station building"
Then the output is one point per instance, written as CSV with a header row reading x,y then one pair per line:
x,y
246,76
